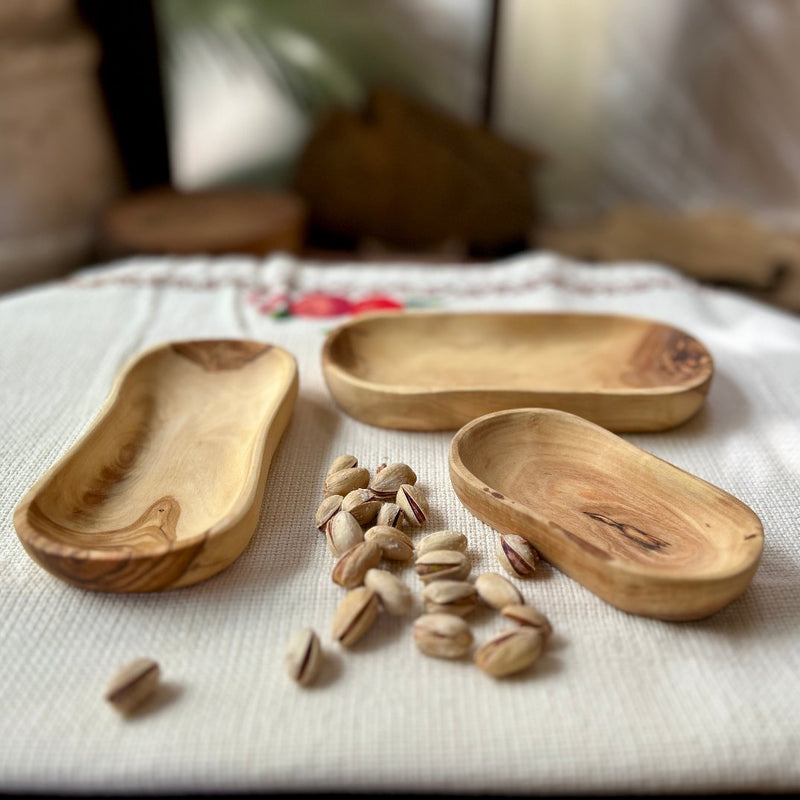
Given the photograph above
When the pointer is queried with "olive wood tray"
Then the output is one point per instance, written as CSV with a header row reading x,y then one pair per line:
x,y
165,487
423,370
642,534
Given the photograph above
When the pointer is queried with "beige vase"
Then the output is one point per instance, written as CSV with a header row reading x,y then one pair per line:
x,y
59,165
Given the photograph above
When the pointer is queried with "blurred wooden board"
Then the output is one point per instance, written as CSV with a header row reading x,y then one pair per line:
x,y
721,245
165,220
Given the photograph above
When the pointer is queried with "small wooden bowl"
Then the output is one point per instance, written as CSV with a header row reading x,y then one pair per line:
x,y
438,370
640,533
165,488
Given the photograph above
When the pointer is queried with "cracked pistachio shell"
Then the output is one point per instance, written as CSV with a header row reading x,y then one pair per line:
x,y
388,479
303,656
440,564
328,508
497,591
394,595
442,540
350,569
449,597
411,500
132,684
390,514
509,651
442,635
529,617
345,480
360,504
345,461
516,555
343,532
394,544
355,615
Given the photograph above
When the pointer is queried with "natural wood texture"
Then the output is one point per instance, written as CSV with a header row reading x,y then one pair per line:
x,y
642,534
166,486
719,245
220,221
438,370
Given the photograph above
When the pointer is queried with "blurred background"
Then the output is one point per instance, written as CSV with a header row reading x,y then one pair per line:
x,y
431,130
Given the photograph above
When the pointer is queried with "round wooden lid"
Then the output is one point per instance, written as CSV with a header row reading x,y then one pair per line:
x,y
165,220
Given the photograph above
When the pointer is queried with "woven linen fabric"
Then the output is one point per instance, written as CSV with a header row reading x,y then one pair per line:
x,y
617,703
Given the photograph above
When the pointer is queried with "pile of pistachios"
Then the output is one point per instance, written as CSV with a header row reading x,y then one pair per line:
x,y
363,518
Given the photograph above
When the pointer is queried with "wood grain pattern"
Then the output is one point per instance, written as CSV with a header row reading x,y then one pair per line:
x,y
642,534
166,486
438,370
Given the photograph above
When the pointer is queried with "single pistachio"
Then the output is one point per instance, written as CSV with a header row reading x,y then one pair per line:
x,y
497,591
394,595
360,504
355,615
442,635
442,564
343,532
390,478
509,651
442,540
328,508
342,462
528,617
394,544
413,504
516,555
352,566
345,480
390,514
132,684
303,656
449,597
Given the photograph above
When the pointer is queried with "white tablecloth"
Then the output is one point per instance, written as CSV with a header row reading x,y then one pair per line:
x,y
617,703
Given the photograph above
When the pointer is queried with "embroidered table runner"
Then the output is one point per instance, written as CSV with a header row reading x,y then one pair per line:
x,y
617,703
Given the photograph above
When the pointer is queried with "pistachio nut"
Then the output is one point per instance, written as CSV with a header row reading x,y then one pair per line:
x,y
343,532
497,591
327,509
361,505
390,514
442,635
529,617
509,651
394,544
440,564
303,656
516,555
355,615
394,595
344,481
413,504
132,684
342,462
449,597
442,540
352,566
388,479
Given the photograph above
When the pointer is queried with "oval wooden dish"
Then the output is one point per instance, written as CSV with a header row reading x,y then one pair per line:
x,y
642,534
165,488
438,370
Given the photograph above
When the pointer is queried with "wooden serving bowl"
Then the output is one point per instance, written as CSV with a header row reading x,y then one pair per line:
x,y
438,370
165,487
640,533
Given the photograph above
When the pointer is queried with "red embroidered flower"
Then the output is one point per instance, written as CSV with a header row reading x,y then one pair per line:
x,y
267,302
376,302
319,304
